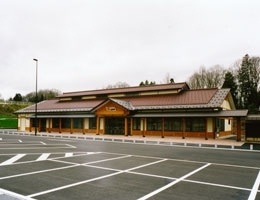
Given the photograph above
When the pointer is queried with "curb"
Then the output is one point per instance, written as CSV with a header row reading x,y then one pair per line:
x,y
247,147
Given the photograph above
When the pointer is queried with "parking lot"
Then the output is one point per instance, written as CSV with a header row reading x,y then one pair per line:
x,y
58,168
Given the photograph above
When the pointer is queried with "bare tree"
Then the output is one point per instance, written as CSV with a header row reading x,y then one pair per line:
x,y
118,85
207,78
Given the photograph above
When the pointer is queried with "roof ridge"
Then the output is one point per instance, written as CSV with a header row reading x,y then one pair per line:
x,y
126,89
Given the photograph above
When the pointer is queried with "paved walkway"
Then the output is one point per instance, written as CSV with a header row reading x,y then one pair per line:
x,y
229,140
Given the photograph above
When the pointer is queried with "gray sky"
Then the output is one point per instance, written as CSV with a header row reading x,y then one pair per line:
x,y
89,44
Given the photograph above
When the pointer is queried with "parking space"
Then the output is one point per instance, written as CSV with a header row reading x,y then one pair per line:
x,y
66,173
116,176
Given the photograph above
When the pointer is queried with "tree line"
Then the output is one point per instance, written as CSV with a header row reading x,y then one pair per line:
x,y
243,79
41,96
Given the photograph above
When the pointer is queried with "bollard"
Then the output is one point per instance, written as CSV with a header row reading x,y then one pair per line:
x,y
251,147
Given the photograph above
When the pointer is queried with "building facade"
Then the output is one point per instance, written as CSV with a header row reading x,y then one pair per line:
x,y
162,110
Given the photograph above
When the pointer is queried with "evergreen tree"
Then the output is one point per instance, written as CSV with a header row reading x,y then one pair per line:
x,y
18,97
248,78
230,82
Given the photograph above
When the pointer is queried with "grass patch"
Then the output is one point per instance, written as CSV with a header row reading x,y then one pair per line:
x,y
7,121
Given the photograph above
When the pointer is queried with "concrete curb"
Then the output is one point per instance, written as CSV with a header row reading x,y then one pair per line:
x,y
169,141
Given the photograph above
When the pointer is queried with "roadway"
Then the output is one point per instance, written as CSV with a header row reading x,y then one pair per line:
x,y
34,167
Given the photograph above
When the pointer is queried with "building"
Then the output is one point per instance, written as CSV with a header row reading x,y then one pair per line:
x,y
163,110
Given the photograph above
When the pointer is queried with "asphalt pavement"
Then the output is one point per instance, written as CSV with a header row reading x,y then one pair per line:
x,y
75,166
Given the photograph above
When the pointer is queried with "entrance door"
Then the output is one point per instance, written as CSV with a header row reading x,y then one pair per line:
x,y
115,125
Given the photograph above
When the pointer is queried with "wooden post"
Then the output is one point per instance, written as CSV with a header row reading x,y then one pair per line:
x,y
83,125
59,125
131,126
183,128
162,127
71,125
143,131
206,132
126,127
238,129
97,129
49,125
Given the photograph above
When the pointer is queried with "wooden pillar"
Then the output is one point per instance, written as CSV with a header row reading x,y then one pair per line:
x,y
162,127
183,127
214,128
238,129
59,125
131,126
83,126
143,131
206,132
49,125
97,129
126,133
30,128
71,125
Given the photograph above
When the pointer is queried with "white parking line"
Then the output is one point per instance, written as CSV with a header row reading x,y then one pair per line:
x,y
13,195
173,183
94,179
255,188
12,160
68,155
44,156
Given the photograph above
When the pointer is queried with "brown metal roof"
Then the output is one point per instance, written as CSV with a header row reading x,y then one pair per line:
x,y
187,99
58,106
127,90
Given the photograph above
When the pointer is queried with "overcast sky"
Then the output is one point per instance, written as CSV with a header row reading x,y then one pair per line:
x,y
89,44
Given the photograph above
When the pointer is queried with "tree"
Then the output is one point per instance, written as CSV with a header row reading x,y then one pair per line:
x,y
118,85
42,95
18,97
207,78
230,82
248,79
146,83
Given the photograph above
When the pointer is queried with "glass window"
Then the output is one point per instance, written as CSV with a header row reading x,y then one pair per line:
x,y
92,123
220,124
173,124
65,123
136,123
33,121
77,123
154,124
55,123
195,124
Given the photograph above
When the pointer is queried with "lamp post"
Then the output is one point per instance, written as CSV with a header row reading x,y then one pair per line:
x,y
36,96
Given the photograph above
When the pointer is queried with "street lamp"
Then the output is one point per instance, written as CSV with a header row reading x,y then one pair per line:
x,y
36,96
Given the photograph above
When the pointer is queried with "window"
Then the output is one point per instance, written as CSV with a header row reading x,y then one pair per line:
x,y
33,121
136,123
77,123
220,124
92,123
65,123
154,124
195,124
173,124
55,123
